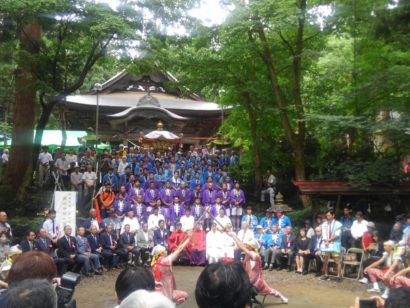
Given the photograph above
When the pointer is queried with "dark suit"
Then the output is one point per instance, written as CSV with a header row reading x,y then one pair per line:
x,y
95,243
314,247
161,239
113,256
25,246
288,243
46,246
125,241
67,248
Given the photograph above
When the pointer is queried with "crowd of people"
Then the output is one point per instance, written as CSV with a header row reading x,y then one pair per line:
x,y
158,209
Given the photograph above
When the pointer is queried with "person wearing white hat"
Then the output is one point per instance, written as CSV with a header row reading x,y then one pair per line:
x,y
145,299
384,269
162,270
253,267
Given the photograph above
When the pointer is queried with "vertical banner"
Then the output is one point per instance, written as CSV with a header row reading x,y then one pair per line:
x,y
65,207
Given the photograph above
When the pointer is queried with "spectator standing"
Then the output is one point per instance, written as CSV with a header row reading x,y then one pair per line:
x,y
359,227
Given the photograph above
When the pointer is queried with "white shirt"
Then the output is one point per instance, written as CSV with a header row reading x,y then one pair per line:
x,y
71,158
187,222
224,221
45,158
121,167
133,222
229,245
89,178
245,236
62,166
153,221
358,228
5,158
214,244
76,178
48,226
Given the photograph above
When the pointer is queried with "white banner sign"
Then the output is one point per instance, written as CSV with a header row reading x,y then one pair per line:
x,y
65,207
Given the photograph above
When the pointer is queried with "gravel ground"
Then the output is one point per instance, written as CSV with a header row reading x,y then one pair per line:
x,y
302,291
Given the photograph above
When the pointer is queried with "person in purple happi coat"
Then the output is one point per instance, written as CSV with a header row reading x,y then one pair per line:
x,y
151,178
151,195
216,207
167,194
225,197
175,212
184,195
209,195
197,209
237,197
140,210
136,190
121,203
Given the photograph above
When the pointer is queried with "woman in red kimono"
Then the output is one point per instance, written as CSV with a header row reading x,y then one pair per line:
x,y
162,270
253,267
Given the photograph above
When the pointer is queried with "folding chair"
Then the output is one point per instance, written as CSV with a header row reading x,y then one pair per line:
x,y
354,263
341,256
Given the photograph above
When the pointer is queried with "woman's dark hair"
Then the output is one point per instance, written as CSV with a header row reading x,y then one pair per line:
x,y
398,298
222,285
133,279
302,229
32,265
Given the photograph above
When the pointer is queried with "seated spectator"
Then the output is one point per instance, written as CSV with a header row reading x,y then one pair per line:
x,y
228,245
359,227
384,269
109,248
198,245
4,271
67,250
133,279
132,222
113,221
5,227
44,244
309,230
145,243
251,219
259,235
273,242
30,293
245,235
222,285
396,234
314,252
95,243
92,221
267,221
91,261
214,244
401,279
144,299
174,240
302,251
161,235
4,247
281,219
127,243
155,218
187,221
222,220
28,243
374,253
287,249
367,236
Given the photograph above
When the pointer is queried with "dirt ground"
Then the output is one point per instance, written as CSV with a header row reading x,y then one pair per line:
x,y
302,291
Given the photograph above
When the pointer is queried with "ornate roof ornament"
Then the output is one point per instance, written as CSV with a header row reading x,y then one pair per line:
x,y
148,100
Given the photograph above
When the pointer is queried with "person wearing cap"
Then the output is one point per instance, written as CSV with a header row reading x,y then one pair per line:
x,y
384,269
253,267
267,221
44,161
238,200
51,227
281,219
162,270
76,180
359,227
214,244
251,219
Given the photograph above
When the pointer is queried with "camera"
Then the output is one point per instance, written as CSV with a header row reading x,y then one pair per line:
x,y
66,289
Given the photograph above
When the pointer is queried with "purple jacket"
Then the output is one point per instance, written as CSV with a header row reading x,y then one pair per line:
x,y
215,209
167,199
121,208
173,215
197,211
140,211
208,197
151,197
225,197
133,193
237,196
156,183
185,196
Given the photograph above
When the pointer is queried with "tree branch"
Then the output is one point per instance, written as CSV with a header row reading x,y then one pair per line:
x,y
286,42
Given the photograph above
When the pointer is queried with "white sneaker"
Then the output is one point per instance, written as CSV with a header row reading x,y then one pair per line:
x,y
373,290
385,294
364,280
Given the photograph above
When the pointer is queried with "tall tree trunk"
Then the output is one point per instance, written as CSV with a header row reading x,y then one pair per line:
x,y
19,165
256,152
